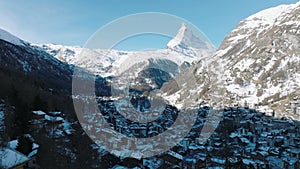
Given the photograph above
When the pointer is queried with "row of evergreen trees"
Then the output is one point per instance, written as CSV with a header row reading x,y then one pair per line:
x,y
17,118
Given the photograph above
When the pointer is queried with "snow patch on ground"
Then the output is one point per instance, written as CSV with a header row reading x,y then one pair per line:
x,y
244,64
237,38
173,99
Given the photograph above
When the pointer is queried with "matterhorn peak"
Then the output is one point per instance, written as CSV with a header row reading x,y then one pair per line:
x,y
185,38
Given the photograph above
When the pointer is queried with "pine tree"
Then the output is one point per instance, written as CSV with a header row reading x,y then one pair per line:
x,y
24,145
227,163
39,104
22,118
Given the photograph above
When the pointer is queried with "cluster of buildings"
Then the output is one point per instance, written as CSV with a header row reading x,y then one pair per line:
x,y
11,158
130,128
243,138
57,126
294,106
259,140
236,137
120,124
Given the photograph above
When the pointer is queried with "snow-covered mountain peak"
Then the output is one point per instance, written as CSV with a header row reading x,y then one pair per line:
x,y
186,38
183,33
184,48
6,36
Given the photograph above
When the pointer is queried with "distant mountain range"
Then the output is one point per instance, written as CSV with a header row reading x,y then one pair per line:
x,y
185,47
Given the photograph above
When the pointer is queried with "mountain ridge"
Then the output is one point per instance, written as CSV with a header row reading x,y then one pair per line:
x,y
8,37
109,62
259,67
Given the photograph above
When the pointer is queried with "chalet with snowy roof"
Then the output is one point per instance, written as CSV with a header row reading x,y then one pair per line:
x,y
248,162
171,158
217,161
295,152
38,114
54,120
291,163
194,161
32,154
55,114
119,167
12,159
190,162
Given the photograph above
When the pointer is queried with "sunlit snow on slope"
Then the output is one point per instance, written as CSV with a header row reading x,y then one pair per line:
x,y
10,38
269,16
184,47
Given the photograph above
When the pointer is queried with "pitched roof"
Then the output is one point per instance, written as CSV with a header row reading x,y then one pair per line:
x,y
11,158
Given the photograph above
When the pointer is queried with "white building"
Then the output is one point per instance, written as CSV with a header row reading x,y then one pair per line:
x,y
298,111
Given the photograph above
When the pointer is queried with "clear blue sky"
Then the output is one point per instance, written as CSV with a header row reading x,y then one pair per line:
x,y
71,22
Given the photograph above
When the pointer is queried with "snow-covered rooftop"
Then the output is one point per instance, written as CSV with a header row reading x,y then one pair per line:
x,y
55,113
39,113
53,119
11,158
